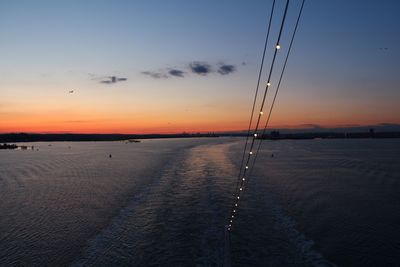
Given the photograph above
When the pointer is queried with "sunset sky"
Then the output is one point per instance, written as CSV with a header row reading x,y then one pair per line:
x,y
174,66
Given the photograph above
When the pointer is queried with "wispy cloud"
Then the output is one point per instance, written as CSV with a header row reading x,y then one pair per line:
x,y
155,75
177,73
226,69
106,79
113,79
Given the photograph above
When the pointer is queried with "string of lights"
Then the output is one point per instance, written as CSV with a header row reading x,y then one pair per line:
x,y
278,86
254,136
255,97
243,177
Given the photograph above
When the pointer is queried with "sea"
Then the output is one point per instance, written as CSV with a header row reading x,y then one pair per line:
x,y
165,202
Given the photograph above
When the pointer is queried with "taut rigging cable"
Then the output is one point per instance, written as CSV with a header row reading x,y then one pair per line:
x,y
255,96
242,181
278,86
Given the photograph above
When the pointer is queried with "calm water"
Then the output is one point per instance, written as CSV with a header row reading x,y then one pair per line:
x,y
164,203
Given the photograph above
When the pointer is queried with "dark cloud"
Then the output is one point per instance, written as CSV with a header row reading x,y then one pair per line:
x,y
200,68
155,75
226,69
176,73
196,67
113,79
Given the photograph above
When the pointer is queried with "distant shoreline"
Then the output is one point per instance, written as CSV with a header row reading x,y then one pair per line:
x,y
274,135
28,137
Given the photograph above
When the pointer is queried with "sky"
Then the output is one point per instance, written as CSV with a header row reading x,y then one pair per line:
x,y
172,66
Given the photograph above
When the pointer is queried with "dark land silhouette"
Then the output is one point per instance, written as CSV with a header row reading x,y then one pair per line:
x,y
272,135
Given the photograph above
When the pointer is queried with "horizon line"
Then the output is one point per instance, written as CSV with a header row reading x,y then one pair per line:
x,y
282,127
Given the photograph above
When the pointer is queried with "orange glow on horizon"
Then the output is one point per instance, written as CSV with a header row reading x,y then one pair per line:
x,y
156,125
112,113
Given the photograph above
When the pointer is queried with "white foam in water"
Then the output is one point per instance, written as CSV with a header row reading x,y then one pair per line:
x,y
305,246
101,243
135,228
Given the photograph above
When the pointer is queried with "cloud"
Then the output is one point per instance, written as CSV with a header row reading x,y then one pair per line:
x,y
164,74
113,79
155,75
176,73
106,79
226,69
197,67
200,68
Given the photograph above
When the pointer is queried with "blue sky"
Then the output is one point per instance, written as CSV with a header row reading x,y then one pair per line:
x,y
344,67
